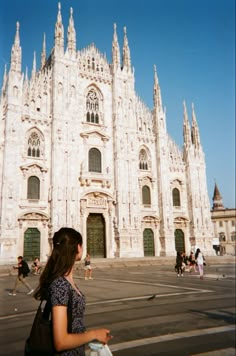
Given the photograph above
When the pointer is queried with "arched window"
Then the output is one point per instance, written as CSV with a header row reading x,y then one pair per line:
x,y
176,197
92,107
146,195
95,161
143,161
33,145
33,191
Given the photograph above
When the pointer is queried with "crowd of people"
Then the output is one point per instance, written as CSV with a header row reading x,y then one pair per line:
x,y
193,262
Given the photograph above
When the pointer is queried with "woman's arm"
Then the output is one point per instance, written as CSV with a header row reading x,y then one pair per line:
x,y
65,341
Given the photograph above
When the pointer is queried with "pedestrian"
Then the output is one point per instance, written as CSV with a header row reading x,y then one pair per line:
x,y
87,267
179,264
57,285
192,262
36,266
23,270
199,258
185,261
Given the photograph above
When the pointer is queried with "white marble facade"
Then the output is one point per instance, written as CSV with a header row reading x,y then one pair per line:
x,y
77,102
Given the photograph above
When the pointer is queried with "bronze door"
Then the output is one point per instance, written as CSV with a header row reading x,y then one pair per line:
x,y
148,242
179,240
96,236
31,244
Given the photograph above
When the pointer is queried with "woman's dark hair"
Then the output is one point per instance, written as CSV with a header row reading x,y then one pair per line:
x,y
197,253
61,261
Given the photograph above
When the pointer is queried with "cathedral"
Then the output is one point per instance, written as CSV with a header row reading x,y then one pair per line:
x,y
79,148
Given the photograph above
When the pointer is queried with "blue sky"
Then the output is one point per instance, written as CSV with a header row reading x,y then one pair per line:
x,y
192,43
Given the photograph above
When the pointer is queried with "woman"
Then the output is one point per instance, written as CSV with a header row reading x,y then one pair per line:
x,y
179,264
192,263
87,267
57,284
199,258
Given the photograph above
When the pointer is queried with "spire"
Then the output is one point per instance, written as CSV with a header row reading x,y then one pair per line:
x,y
34,66
186,127
4,82
59,32
26,75
195,130
217,199
16,52
43,54
126,53
115,50
156,91
71,35
26,81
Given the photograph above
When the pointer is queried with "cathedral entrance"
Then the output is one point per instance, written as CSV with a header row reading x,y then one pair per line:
x,y
179,240
148,242
31,244
96,244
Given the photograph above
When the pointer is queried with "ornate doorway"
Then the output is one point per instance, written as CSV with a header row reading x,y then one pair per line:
x,y
179,240
148,242
31,244
96,242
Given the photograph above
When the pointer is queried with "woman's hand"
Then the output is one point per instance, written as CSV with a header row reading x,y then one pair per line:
x,y
102,335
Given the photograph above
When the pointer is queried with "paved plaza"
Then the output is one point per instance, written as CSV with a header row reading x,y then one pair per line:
x,y
147,308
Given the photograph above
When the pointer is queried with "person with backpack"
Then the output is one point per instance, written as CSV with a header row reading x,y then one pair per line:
x,y
23,271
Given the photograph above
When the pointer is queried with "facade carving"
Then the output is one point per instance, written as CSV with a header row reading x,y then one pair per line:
x,y
80,148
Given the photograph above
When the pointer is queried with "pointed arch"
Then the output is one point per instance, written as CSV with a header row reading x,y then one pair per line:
x,y
34,143
94,104
144,159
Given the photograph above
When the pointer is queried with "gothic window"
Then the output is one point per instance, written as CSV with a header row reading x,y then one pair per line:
x,y
176,197
33,145
92,107
95,161
143,161
33,191
146,195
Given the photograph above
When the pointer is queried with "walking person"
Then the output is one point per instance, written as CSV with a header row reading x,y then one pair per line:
x,y
179,264
199,258
23,270
192,262
87,267
58,286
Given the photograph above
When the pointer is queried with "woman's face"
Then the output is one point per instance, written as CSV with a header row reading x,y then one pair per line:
x,y
79,253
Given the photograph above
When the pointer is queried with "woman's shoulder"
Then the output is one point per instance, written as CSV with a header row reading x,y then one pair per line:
x,y
60,282
59,291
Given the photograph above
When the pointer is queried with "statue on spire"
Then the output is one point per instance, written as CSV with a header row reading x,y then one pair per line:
x,y
186,127
126,62
115,50
59,32
71,35
16,52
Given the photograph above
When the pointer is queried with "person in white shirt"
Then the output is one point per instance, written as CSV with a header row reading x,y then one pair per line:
x,y
199,258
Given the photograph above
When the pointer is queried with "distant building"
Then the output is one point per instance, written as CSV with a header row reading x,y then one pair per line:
x,y
224,225
79,148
